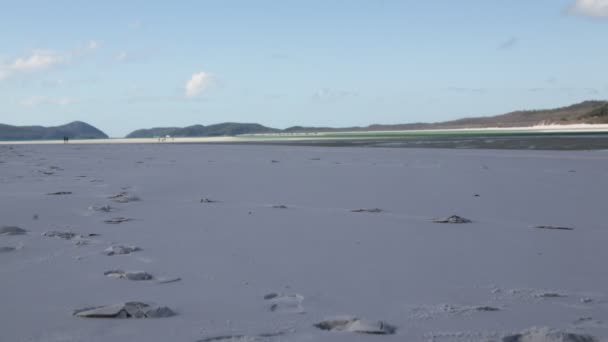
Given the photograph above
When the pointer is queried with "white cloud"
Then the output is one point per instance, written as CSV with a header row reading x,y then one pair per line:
x,y
38,60
36,101
42,60
122,56
198,83
332,95
94,45
137,24
590,8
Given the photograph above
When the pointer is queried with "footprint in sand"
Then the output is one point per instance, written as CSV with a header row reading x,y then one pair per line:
x,y
356,325
61,235
367,210
548,335
77,239
103,208
8,249
441,310
126,310
121,250
454,219
265,337
284,303
124,197
553,227
12,230
135,275
117,220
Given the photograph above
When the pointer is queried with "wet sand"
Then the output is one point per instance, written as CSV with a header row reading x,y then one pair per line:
x,y
284,243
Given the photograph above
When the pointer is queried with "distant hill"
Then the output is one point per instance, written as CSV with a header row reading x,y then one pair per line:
x,y
73,130
584,112
222,129
591,112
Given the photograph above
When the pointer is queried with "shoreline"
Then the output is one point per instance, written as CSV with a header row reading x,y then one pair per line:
x,y
346,135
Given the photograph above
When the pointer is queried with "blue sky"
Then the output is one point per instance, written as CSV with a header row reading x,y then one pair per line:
x,y
123,65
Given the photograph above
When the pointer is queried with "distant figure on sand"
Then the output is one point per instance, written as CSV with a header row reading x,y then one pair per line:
x,y
66,140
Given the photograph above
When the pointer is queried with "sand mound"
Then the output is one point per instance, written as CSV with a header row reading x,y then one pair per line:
x,y
126,310
356,325
547,335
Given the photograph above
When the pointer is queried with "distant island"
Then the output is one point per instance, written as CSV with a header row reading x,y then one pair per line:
x,y
73,130
588,112
217,130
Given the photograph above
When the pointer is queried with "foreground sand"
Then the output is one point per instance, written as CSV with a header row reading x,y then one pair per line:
x,y
433,282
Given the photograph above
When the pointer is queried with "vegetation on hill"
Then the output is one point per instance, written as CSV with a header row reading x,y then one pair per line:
x,y
73,130
222,129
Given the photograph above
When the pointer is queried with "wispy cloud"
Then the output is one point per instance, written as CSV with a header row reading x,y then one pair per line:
x,y
332,95
570,90
43,60
122,56
466,90
94,45
590,8
136,24
38,60
198,84
36,101
508,44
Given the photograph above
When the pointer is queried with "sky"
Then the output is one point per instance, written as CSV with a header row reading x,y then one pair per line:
x,y
125,65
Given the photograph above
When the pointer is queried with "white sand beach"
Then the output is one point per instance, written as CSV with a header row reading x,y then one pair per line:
x,y
261,243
